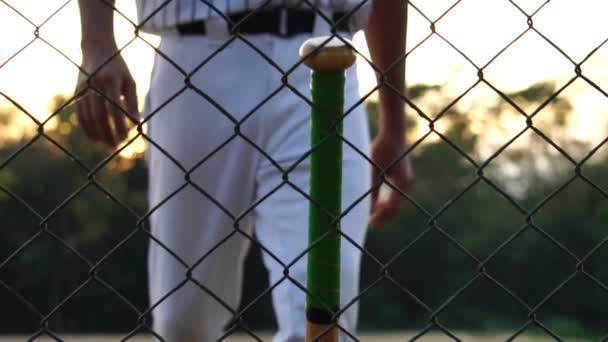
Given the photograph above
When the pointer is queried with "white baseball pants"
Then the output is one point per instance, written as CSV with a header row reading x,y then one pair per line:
x,y
212,187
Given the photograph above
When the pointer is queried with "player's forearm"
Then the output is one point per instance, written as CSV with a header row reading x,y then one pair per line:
x,y
385,35
97,26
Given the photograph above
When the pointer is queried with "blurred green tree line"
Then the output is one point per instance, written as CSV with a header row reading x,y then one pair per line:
x,y
59,229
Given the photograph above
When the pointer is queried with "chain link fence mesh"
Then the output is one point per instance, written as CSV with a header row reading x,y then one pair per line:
x,y
91,182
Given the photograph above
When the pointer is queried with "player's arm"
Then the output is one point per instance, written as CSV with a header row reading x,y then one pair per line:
x,y
385,35
101,120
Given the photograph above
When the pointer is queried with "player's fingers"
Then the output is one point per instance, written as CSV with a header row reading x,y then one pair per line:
x,y
81,114
395,199
85,124
101,121
375,185
113,106
402,181
385,211
390,199
88,116
129,91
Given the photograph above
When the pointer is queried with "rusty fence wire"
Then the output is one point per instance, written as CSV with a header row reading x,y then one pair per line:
x,y
385,274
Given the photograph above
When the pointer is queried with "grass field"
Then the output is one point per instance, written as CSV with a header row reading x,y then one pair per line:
x,y
392,337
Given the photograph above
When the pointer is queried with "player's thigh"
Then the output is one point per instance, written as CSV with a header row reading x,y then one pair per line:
x,y
201,100
202,174
202,181
202,154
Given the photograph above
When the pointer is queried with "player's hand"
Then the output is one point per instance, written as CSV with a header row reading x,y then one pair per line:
x,y
102,120
385,206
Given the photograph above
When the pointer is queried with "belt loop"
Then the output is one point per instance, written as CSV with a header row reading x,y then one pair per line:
x,y
283,22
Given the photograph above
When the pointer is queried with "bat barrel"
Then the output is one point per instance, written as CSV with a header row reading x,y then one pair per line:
x,y
328,61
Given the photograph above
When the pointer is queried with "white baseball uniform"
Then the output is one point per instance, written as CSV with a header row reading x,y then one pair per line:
x,y
213,183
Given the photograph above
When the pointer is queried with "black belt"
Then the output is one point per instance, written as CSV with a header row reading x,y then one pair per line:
x,y
269,21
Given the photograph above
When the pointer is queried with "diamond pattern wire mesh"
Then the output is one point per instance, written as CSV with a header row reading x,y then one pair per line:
x,y
432,217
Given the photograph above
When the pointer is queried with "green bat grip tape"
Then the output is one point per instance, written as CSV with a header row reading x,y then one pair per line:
x,y
323,281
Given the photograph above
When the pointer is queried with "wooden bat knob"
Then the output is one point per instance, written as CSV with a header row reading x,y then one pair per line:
x,y
327,56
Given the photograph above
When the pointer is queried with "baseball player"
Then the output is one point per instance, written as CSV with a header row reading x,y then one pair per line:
x,y
228,127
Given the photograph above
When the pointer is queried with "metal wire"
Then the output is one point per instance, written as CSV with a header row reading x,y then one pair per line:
x,y
385,274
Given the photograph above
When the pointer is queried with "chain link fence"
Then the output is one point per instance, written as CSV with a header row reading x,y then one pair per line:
x,y
46,229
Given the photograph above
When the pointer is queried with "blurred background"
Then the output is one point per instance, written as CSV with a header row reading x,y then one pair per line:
x,y
508,215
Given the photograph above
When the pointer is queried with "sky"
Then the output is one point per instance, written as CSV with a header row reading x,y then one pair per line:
x,y
479,28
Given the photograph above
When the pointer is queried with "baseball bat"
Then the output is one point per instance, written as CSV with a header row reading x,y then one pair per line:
x,y
328,60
